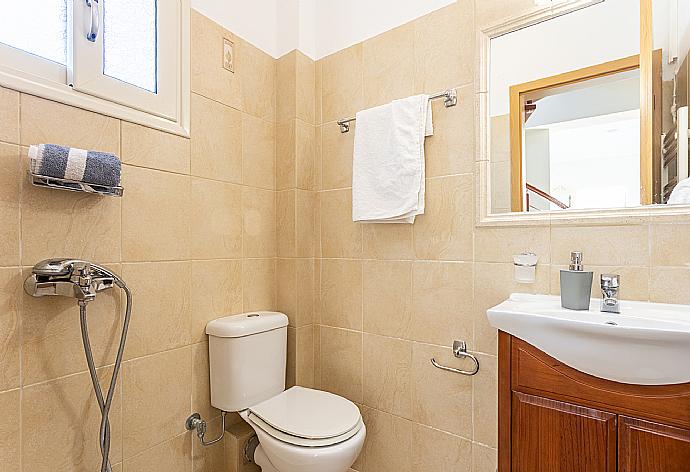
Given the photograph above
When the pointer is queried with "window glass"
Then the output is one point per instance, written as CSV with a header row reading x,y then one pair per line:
x,y
39,28
130,42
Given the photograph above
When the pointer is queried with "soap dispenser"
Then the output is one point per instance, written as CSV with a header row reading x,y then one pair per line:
x,y
576,284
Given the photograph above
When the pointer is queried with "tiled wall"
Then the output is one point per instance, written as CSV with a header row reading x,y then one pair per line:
x,y
393,296
193,236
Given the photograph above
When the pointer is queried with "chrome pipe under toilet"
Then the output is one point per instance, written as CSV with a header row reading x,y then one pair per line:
x,y
83,280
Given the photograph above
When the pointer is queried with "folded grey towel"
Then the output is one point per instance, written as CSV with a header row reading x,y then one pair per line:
x,y
93,167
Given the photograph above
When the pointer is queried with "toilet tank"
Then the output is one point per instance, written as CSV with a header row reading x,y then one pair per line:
x,y
247,355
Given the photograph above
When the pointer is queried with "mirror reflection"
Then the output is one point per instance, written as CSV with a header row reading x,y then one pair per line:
x,y
568,117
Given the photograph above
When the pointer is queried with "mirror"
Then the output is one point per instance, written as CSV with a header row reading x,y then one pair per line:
x,y
579,119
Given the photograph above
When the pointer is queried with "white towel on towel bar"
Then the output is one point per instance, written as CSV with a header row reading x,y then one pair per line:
x,y
388,164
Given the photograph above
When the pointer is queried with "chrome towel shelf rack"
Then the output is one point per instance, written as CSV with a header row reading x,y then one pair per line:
x,y
74,186
459,351
450,99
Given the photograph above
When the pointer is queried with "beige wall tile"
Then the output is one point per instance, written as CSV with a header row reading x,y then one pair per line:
x,y
258,72
445,230
669,285
341,293
305,356
51,334
305,291
634,280
216,292
442,56
317,356
175,454
485,401
318,92
11,283
216,140
201,390
285,155
155,216
387,241
67,405
601,245
9,116
442,296
388,298
340,236
10,194
10,435
258,152
484,459
286,87
147,406
147,147
286,285
500,244
259,222
386,374
258,284
285,223
305,142
451,150
439,451
500,138
343,87
291,358
305,218
341,363
668,243
436,393
209,77
216,222
305,71
79,128
389,66
493,283
76,224
163,306
337,152
389,443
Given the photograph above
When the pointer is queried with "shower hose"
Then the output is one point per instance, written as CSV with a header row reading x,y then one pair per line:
x,y
105,403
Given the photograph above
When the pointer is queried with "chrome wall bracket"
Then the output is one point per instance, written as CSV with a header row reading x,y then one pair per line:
x,y
196,422
459,351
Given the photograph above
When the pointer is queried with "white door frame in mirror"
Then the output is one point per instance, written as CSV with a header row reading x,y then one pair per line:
x,y
483,174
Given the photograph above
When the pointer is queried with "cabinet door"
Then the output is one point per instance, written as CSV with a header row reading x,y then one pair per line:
x,y
652,447
552,436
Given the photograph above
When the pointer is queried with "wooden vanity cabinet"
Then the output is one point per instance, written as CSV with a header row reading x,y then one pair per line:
x,y
553,418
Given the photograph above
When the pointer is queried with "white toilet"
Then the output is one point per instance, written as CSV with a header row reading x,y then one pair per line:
x,y
299,429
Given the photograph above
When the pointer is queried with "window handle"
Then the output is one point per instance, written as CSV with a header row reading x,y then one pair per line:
x,y
95,20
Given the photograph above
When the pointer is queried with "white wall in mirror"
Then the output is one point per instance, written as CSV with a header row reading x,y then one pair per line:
x,y
593,35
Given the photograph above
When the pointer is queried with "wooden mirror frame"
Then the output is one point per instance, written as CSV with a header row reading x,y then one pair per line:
x,y
518,183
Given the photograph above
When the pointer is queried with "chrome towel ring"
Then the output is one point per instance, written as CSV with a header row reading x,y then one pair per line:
x,y
459,351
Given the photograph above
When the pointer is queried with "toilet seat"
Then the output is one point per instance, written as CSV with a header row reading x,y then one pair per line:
x,y
306,417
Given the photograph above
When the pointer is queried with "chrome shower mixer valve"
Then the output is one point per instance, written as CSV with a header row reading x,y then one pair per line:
x,y
83,280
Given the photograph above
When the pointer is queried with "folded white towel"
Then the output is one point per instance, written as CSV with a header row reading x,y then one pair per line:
x,y
388,164
681,194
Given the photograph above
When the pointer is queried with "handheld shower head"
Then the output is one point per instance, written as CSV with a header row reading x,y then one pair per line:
x,y
70,278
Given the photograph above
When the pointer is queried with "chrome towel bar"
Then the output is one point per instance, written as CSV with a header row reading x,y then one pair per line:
x,y
459,351
450,99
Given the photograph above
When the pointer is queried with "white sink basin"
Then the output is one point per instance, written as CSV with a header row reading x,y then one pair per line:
x,y
649,344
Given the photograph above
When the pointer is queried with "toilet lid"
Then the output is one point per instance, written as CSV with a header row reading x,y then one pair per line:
x,y
309,414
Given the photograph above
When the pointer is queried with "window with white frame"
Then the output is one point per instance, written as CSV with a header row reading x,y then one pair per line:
x,y
124,58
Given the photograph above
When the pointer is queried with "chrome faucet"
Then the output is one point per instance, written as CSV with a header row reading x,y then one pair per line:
x,y
610,284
